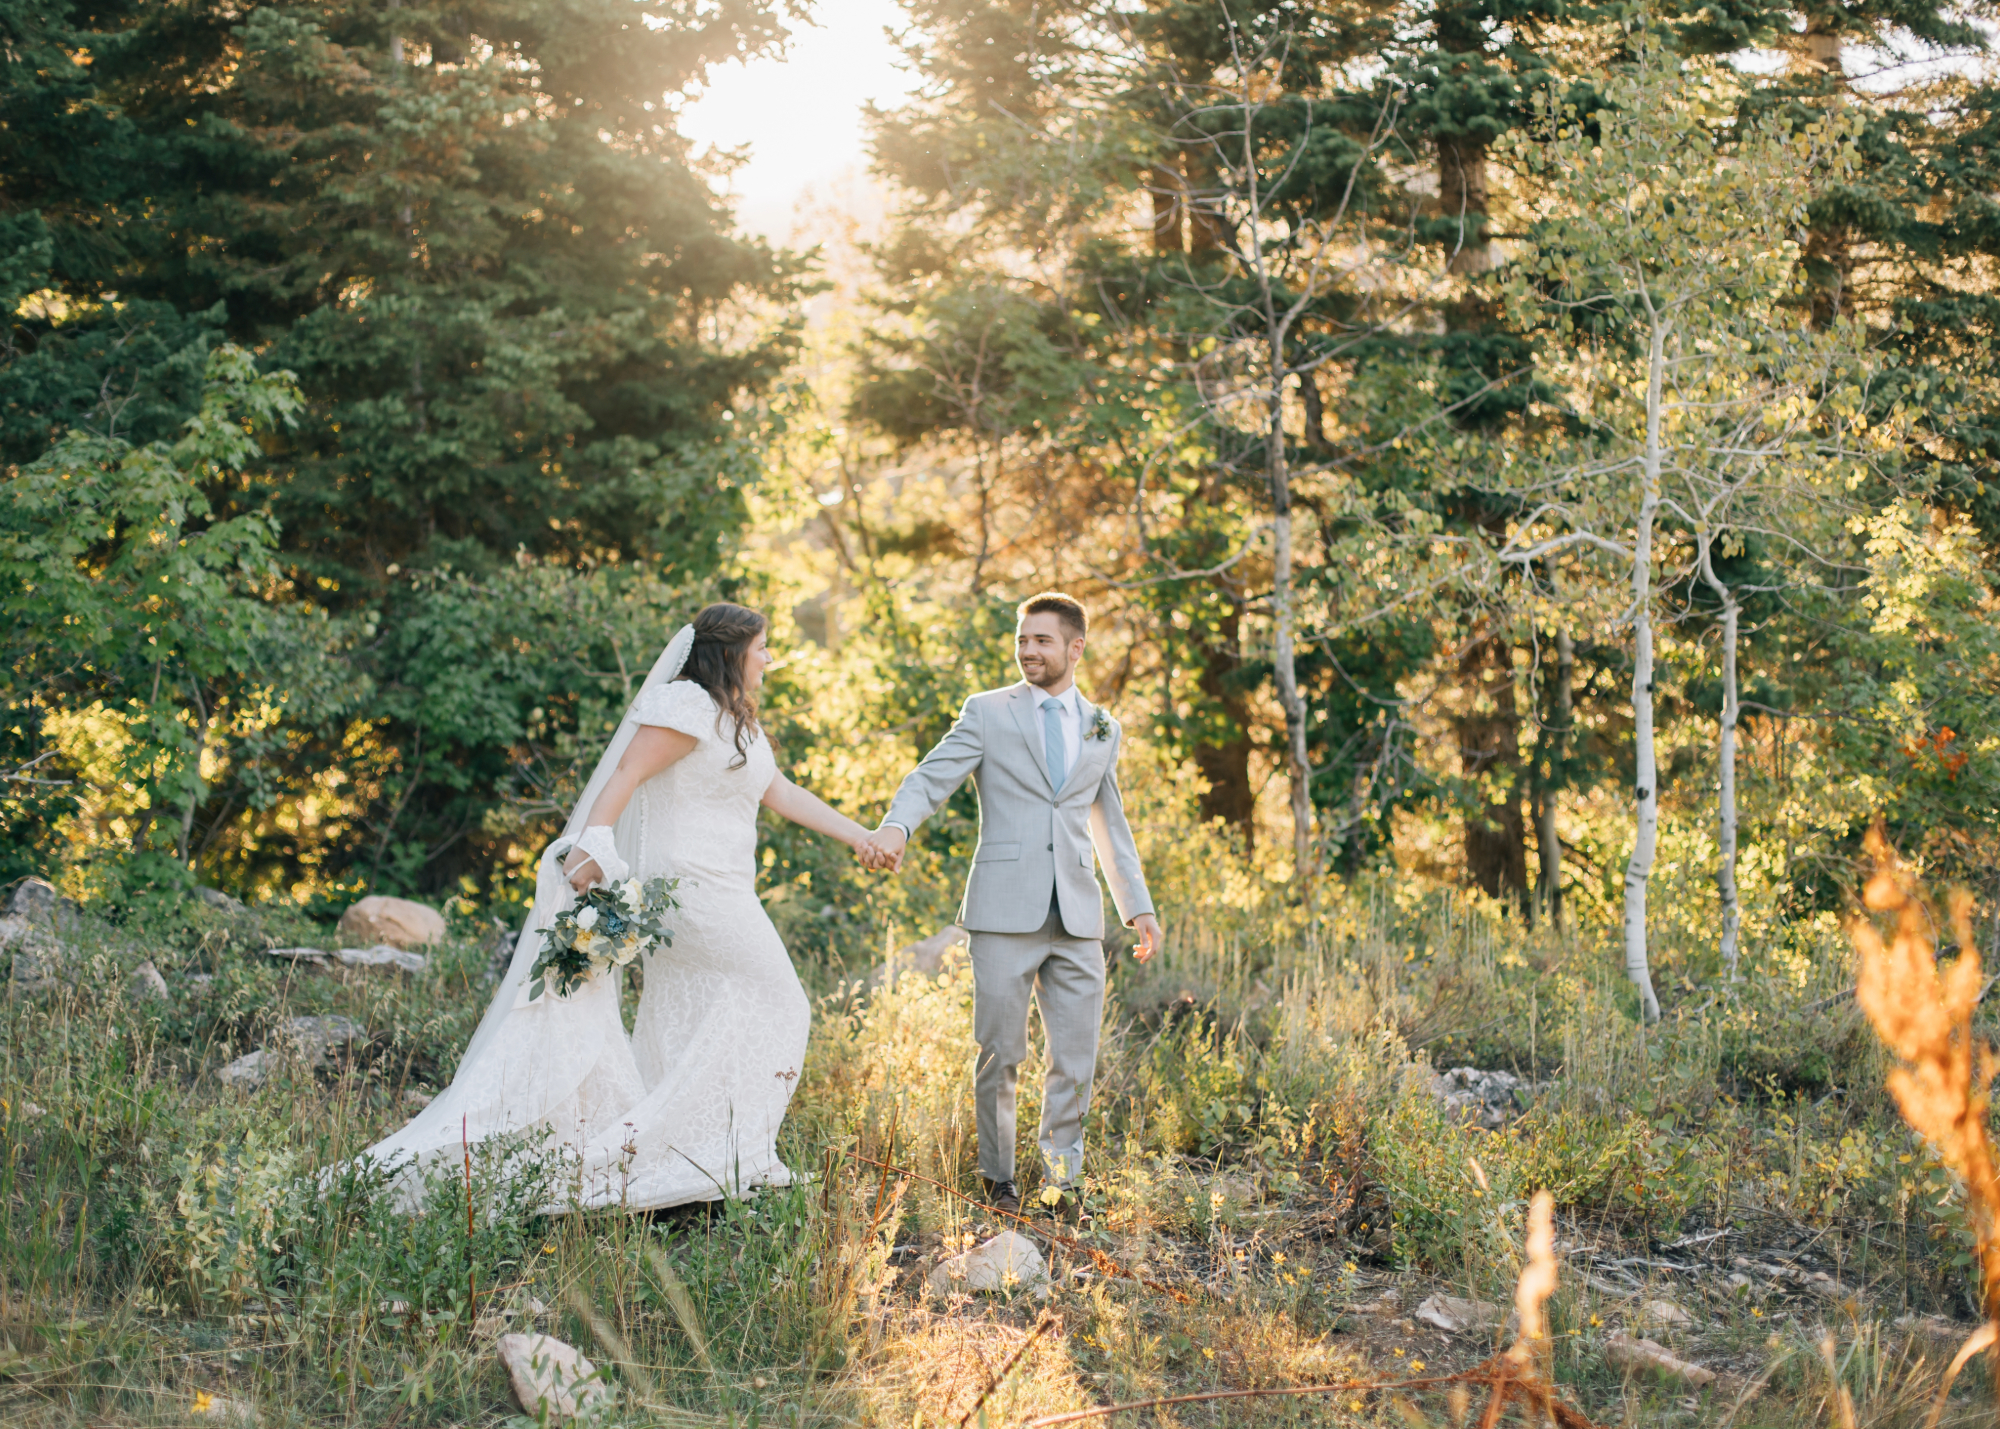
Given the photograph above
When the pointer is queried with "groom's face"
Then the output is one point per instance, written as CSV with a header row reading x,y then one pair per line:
x,y
1044,650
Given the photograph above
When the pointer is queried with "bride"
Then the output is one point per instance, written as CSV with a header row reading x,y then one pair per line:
x,y
687,1108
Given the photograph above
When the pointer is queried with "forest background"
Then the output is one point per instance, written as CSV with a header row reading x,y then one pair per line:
x,y
1543,448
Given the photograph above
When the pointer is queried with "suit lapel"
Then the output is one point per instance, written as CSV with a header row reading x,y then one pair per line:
x,y
1025,715
1087,748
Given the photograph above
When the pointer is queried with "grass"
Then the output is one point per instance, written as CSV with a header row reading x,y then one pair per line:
x,y
1267,1150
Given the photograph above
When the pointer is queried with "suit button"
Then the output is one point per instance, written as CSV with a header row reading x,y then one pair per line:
x,y
1052,848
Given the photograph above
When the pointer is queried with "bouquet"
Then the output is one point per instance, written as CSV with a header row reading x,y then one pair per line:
x,y
607,928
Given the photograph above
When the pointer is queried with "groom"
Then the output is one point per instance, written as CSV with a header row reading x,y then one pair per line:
x,y
1045,763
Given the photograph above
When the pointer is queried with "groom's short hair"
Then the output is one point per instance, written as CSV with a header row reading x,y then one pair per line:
x,y
1067,610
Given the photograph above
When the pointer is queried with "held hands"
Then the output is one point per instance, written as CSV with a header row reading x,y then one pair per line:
x,y
882,850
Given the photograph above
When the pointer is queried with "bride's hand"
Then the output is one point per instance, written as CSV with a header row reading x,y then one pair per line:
x,y
582,875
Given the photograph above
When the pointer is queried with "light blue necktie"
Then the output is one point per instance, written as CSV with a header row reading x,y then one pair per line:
x,y
1052,737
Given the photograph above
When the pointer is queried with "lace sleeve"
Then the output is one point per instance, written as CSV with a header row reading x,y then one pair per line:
x,y
678,704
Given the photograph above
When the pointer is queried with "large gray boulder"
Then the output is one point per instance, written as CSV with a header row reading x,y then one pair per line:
x,y
397,921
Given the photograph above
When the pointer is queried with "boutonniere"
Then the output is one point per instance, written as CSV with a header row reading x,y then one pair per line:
x,y
1100,725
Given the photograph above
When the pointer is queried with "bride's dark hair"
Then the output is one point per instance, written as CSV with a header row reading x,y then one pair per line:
x,y
723,635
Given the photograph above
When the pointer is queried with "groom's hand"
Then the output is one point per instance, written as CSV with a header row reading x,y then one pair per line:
x,y
1151,939
890,842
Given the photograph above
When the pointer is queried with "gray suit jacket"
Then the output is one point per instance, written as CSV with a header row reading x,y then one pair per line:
x,y
1032,836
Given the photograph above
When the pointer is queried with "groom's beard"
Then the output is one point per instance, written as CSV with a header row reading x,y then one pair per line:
x,y
1041,672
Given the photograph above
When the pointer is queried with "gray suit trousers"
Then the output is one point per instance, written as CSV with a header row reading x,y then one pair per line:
x,y
1066,977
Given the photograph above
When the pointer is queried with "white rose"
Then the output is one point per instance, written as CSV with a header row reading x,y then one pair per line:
x,y
587,918
632,895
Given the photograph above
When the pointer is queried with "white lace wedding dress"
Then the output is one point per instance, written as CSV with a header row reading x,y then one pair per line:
x,y
720,1036
688,1108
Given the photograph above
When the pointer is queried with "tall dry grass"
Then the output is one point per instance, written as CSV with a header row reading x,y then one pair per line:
x,y
1923,1013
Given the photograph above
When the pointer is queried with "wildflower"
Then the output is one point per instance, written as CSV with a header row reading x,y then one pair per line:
x,y
1416,1364
1207,1351
1595,1322
1278,1257
203,1402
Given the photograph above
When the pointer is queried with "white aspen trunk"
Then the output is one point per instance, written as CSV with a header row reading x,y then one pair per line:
x,y
1645,780
1725,808
1283,655
1547,840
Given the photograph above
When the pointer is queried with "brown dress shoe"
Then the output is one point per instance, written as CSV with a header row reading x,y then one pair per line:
x,y
1003,1196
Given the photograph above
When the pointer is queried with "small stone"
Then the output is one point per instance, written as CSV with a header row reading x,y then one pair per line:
x,y
248,1071
1009,1261
1628,1353
218,900
1455,1316
1666,1312
400,921
146,984
551,1379
416,1100
200,980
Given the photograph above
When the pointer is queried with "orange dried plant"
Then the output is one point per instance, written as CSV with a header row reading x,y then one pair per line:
x,y
1924,1015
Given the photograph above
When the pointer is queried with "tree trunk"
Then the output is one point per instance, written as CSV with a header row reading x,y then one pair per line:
x,y
1829,254
1283,658
1489,752
1548,842
1163,182
1645,844
1725,807
1225,765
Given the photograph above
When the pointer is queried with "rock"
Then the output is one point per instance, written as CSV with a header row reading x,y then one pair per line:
x,y
1480,1098
1455,1316
1666,1312
213,1407
926,957
1009,1261
550,1375
200,980
416,1100
382,955
499,945
38,902
399,921
313,1041
1632,1354
146,984
247,1071
218,900
317,1039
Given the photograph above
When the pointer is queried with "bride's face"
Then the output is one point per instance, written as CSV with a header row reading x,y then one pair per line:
x,y
756,660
